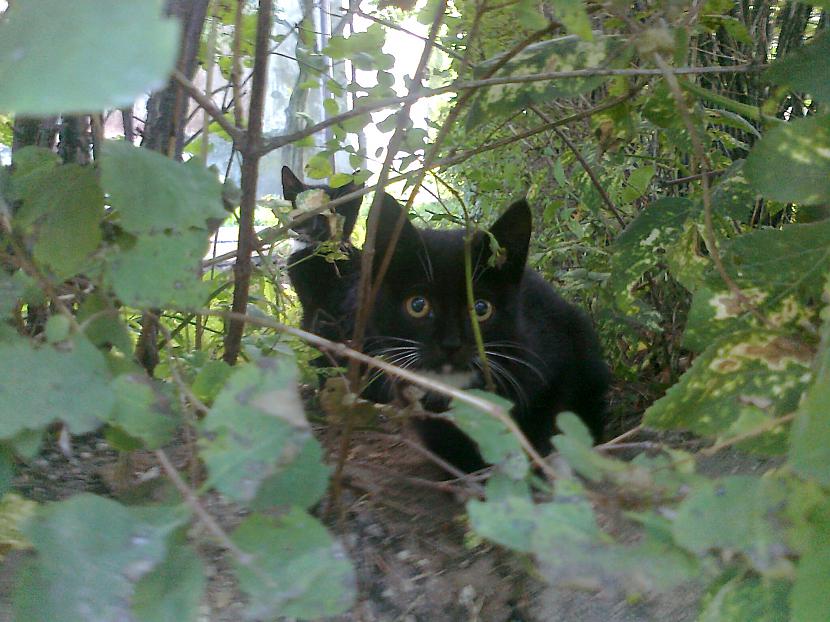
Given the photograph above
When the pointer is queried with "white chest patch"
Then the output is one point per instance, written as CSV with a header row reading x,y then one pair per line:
x,y
457,379
298,244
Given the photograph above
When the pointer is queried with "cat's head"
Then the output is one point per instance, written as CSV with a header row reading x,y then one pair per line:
x,y
317,227
421,318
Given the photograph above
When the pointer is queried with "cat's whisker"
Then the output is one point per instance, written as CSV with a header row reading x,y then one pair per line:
x,y
516,359
499,370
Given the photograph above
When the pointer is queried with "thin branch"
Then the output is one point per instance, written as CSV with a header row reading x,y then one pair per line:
x,y
585,165
282,140
251,155
237,134
207,520
272,233
701,164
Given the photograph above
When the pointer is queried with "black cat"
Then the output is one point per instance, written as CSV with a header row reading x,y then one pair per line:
x,y
542,352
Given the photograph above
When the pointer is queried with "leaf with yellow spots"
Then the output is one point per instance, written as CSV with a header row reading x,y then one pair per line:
x,y
755,369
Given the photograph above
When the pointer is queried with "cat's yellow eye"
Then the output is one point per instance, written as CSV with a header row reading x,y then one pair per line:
x,y
483,309
417,306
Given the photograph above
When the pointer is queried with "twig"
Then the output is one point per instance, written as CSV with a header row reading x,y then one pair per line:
x,y
207,520
701,164
251,155
237,134
632,432
585,165
279,141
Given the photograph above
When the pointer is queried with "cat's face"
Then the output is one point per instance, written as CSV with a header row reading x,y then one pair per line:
x,y
317,227
421,319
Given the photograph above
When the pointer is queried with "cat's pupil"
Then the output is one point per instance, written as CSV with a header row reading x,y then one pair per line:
x,y
418,304
481,307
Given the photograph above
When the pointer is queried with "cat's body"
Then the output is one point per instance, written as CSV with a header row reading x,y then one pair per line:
x,y
542,352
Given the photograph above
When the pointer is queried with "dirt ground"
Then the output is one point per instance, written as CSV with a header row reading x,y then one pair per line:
x,y
403,529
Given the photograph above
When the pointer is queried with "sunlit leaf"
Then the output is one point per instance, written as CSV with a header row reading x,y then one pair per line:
x,y
142,410
83,56
806,68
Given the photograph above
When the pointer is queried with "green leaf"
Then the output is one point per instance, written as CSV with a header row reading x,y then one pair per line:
x,y
560,54
749,599
173,591
734,197
91,552
318,166
495,441
142,410
509,522
102,324
60,57
61,210
154,194
574,17
57,328
810,439
6,469
255,429
637,183
298,569
210,380
791,163
750,369
639,248
806,68
161,270
810,597
736,513
42,385
340,179
303,482
10,293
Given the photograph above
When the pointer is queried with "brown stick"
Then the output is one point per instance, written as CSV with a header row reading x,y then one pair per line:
x,y
251,154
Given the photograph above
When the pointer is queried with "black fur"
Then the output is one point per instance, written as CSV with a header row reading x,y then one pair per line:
x,y
543,351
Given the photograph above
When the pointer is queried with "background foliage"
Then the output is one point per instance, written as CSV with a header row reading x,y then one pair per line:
x,y
678,161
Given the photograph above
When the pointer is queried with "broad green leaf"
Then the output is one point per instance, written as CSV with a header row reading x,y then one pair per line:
x,y
509,522
255,429
83,56
142,410
637,183
686,259
734,197
738,514
810,439
298,570
91,552
639,248
153,194
173,590
778,271
161,270
318,166
560,54
806,68
750,369
749,599
57,328
102,324
573,15
15,512
791,163
61,210
302,483
46,384
810,596
495,441
210,380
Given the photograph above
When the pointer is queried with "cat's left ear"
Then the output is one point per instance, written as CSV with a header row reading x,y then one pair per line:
x,y
291,184
512,232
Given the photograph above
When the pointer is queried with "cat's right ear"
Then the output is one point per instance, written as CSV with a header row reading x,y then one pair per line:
x,y
291,185
409,241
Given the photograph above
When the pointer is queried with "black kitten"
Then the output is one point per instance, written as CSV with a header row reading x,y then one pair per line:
x,y
542,352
